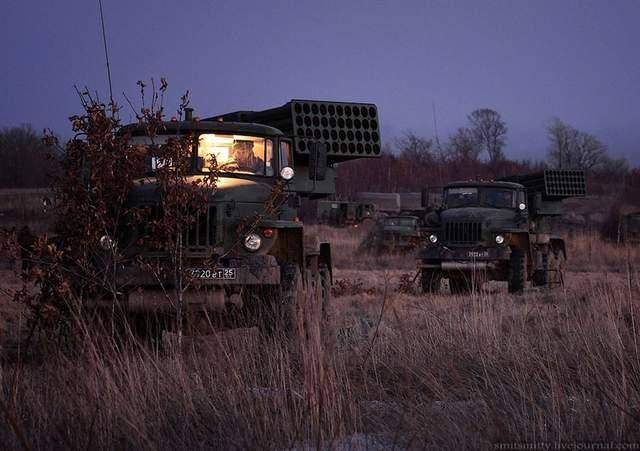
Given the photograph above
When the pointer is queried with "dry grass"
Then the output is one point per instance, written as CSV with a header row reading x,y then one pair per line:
x,y
587,252
410,371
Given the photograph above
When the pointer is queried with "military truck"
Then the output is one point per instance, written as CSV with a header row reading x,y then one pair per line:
x,y
340,213
392,234
497,230
298,143
630,228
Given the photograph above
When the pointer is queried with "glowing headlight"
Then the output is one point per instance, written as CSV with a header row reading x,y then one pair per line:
x,y
499,239
252,242
287,173
433,238
106,242
522,206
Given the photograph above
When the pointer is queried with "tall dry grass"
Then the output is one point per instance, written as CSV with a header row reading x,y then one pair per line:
x,y
407,371
588,252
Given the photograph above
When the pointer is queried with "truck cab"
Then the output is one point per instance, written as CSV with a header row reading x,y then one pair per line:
x,y
495,230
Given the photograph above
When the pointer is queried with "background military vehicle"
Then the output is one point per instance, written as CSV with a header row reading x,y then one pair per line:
x,y
340,213
394,233
630,228
497,230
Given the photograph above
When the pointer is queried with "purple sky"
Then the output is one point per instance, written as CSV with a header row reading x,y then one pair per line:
x,y
529,60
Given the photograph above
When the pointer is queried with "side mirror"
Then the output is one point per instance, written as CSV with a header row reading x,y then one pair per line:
x,y
318,161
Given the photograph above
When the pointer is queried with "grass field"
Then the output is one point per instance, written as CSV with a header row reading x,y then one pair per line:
x,y
405,371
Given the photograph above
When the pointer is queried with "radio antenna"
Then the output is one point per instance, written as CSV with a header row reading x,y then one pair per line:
x,y
106,53
435,130
435,127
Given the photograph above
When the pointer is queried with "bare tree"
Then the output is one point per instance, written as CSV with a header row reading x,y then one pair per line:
x,y
25,162
615,166
574,149
490,131
415,148
463,145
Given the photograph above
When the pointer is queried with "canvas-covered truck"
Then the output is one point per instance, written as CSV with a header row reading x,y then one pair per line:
x,y
297,144
341,213
630,228
392,234
497,230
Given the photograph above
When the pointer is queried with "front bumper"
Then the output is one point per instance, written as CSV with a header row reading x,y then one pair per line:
x,y
438,256
146,290
249,270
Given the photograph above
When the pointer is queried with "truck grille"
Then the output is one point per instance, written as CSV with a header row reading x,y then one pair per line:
x,y
463,232
203,231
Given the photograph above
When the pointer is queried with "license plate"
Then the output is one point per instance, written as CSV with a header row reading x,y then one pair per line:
x,y
212,274
478,254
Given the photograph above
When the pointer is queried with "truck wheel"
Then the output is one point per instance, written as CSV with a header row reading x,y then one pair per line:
x,y
430,280
556,270
459,284
541,276
286,306
517,270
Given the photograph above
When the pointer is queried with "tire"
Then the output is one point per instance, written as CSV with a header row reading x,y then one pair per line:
x,y
283,312
541,275
459,284
517,270
430,280
556,269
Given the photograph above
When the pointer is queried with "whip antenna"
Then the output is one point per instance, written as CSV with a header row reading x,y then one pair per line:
x,y
106,52
435,127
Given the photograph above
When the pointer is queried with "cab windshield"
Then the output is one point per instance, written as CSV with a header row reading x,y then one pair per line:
x,y
241,154
480,197
236,153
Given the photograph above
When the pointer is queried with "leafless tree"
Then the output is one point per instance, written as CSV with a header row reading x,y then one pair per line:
x,y
574,149
415,148
615,166
25,162
463,145
490,131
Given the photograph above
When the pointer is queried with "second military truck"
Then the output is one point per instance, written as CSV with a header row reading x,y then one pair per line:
x,y
497,230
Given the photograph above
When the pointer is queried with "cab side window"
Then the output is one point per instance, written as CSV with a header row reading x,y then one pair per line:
x,y
285,154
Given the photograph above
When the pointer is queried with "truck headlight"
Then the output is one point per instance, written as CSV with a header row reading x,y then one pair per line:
x,y
522,206
106,242
252,242
287,173
433,238
499,239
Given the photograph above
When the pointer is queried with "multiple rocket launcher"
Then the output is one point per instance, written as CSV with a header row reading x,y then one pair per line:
x,y
347,130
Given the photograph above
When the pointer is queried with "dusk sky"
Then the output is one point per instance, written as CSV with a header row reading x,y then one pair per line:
x,y
528,60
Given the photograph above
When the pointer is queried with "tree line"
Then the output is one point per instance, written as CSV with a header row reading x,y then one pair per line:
x,y
477,151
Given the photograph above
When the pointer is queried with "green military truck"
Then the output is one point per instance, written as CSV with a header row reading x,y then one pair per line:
x,y
392,234
630,228
340,213
299,142
497,230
